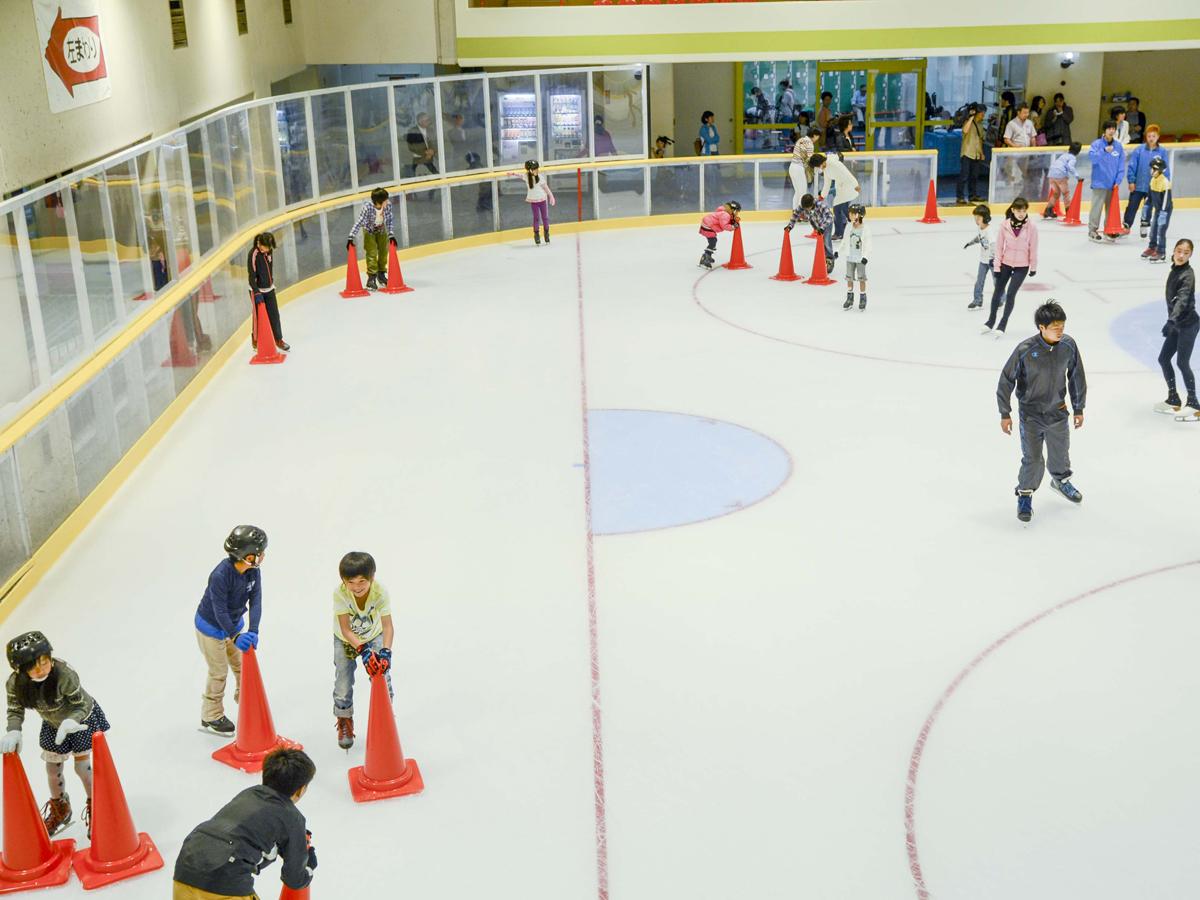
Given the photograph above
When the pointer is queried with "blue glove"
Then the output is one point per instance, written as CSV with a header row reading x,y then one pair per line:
x,y
365,652
246,640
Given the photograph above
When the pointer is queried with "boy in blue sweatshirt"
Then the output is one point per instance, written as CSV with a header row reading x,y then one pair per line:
x,y
234,585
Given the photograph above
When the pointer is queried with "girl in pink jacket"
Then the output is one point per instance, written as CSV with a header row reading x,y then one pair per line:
x,y
723,218
1016,257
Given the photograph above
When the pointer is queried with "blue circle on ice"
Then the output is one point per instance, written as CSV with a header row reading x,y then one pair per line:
x,y
1138,332
660,469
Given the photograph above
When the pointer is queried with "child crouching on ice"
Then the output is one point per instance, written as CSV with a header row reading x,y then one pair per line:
x,y
723,218
538,195
819,216
855,247
69,719
986,240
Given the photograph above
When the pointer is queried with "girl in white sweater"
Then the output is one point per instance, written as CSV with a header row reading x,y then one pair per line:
x,y
539,197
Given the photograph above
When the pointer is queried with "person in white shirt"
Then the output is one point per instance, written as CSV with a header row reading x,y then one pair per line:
x,y
856,248
1117,114
1020,132
985,237
840,188
539,197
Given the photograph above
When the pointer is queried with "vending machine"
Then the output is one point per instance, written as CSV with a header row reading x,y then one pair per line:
x,y
566,126
518,133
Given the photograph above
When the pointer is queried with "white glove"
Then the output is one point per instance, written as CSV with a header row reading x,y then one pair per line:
x,y
68,726
11,742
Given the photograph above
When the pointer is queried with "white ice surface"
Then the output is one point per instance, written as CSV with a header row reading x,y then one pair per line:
x,y
764,676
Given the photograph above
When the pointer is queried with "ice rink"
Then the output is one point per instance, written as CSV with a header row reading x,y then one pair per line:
x,y
704,588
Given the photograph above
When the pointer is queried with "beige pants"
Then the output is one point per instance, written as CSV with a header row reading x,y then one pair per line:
x,y
221,656
187,892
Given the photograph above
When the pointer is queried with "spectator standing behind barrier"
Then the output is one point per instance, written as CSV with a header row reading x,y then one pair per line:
x,y
422,149
1020,132
1057,122
661,143
1007,112
970,161
1037,112
824,115
1108,162
1137,120
1117,114
1138,176
787,103
710,140
602,141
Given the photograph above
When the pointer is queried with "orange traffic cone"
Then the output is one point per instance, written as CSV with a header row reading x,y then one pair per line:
x,y
1114,227
813,235
386,773
1075,206
292,894
787,271
118,851
30,860
931,216
256,735
395,283
354,286
819,275
267,353
182,356
737,256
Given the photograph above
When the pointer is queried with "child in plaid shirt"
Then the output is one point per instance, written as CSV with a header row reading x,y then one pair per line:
x,y
819,216
376,222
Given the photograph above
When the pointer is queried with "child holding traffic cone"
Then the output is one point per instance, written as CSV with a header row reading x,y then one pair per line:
x,y
819,216
220,857
1062,170
723,218
260,271
378,227
362,630
70,716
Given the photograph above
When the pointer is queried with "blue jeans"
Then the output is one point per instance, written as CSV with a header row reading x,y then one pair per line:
x,y
343,676
1160,218
1131,208
980,280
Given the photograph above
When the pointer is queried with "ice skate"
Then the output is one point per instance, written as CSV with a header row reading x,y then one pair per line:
x,y
1170,406
57,814
537,239
1158,257
546,233
381,278
1147,253
985,330
862,302
706,260
371,283
1066,489
221,726
1024,505
975,304
1191,411
345,732
998,334
849,301
1145,230
1094,237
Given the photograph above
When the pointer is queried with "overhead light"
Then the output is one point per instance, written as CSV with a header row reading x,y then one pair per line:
x,y
1067,59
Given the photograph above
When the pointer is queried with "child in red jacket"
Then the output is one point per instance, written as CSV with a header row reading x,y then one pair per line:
x,y
1016,257
723,218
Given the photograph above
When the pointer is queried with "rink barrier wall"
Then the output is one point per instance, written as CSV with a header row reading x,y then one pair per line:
x,y
223,262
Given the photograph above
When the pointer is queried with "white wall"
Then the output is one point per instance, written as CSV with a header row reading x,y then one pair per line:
x,y
1165,83
370,31
154,87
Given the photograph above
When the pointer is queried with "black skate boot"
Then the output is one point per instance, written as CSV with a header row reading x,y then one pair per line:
x,y
537,238
546,233
221,726
706,260
849,300
371,283
1066,489
345,732
862,301
382,279
1145,230
57,814
1024,505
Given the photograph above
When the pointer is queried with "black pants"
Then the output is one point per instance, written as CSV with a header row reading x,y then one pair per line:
x,y
712,243
1010,279
970,171
272,305
1180,346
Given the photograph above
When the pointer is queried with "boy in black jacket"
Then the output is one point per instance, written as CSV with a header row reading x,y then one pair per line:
x,y
221,856
1042,368
260,271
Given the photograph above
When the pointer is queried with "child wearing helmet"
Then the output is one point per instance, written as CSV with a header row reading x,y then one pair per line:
x,y
817,214
855,248
539,197
233,586
1161,206
70,716
723,218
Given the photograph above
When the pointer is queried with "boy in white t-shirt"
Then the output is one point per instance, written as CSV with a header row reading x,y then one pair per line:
x,y
362,629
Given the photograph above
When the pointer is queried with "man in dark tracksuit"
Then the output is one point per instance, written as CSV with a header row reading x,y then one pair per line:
x,y
1042,368
221,856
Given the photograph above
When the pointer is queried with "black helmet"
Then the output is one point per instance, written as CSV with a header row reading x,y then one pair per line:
x,y
25,649
531,164
857,208
1158,164
244,541
735,206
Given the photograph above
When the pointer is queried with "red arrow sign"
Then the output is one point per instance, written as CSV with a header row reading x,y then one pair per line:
x,y
74,51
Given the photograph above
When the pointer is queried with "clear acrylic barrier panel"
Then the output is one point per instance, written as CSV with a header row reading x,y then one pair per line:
x,y
177,216
903,181
154,223
98,252
46,473
372,136
674,189
1026,174
566,122
622,192
775,188
617,113
19,375
311,258
1185,171
55,279
425,225
471,209
332,143
202,198
417,131
464,125
133,260
222,175
514,123
341,219
129,398
94,441
242,166
153,348
14,542
724,182
291,121
263,137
